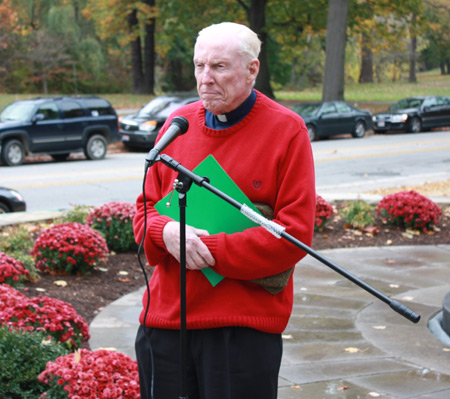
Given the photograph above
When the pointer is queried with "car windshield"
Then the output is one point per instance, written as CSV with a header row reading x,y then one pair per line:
x,y
306,109
20,112
406,103
161,107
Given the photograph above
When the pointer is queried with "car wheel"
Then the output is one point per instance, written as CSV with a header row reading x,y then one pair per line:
x,y
13,153
96,147
4,208
415,126
311,132
60,157
359,130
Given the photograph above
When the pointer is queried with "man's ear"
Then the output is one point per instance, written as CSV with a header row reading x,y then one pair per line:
x,y
253,68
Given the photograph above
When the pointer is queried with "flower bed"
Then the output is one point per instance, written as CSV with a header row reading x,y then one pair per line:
x,y
69,247
115,221
58,318
12,271
324,212
409,209
86,374
9,296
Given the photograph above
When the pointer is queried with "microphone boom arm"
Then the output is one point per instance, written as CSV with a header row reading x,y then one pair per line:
x,y
279,232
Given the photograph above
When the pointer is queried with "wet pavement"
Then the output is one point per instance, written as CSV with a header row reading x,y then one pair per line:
x,y
342,342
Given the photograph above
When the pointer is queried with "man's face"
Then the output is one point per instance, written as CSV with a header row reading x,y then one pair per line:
x,y
224,79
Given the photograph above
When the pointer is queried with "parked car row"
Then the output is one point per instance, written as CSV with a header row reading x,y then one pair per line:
x,y
57,126
61,125
323,119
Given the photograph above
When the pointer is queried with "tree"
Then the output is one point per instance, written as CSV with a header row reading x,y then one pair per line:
x,y
8,28
256,13
297,32
333,84
129,23
437,53
47,57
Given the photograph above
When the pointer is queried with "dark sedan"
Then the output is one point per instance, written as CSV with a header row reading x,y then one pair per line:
x,y
139,130
11,201
414,114
331,118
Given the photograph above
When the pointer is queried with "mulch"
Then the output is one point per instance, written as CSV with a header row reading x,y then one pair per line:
x,y
122,273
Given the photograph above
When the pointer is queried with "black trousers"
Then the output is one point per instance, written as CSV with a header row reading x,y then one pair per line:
x,y
222,363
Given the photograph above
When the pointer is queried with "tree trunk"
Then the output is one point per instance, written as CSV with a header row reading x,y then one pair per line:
x,y
333,84
412,52
149,53
136,56
366,73
257,17
45,84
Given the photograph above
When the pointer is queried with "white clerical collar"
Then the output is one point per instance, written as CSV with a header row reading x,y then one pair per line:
x,y
222,118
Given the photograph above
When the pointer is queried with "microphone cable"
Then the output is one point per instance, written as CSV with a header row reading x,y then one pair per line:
x,y
147,306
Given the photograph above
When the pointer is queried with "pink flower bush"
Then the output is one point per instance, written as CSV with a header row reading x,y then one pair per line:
x,y
115,221
86,374
409,209
12,271
9,296
324,212
69,247
58,318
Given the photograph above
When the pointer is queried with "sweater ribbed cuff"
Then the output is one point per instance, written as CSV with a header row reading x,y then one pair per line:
x,y
156,230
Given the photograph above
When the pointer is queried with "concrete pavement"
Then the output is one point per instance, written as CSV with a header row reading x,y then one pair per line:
x,y
342,342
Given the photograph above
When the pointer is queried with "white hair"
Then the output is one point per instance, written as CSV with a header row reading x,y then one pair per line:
x,y
249,43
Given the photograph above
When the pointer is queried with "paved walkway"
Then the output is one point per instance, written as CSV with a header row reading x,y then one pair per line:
x,y
341,342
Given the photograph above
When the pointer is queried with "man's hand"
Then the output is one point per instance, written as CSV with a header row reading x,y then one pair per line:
x,y
197,253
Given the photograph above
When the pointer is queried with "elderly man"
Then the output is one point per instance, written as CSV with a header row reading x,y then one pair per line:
x,y
234,329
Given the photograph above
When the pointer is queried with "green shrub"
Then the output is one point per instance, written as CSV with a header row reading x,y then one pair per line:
x,y
23,356
358,214
77,214
115,221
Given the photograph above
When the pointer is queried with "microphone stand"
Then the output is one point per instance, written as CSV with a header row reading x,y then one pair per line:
x,y
183,183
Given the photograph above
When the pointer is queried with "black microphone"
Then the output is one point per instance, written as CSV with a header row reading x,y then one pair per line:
x,y
178,126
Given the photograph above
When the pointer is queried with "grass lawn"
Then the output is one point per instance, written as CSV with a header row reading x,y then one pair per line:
x,y
375,96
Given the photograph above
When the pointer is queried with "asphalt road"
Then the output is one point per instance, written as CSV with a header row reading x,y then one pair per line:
x,y
343,165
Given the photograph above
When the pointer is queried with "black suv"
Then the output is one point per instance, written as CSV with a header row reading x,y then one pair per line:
x,y
57,126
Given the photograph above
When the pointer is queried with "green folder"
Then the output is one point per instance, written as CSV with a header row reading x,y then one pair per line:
x,y
207,211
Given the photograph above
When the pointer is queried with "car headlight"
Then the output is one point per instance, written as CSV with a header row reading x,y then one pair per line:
x,y
17,195
399,118
148,126
374,118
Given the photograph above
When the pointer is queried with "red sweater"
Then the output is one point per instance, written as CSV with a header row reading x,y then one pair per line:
x,y
268,155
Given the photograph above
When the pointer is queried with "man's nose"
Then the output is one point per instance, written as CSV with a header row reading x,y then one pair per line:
x,y
207,76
